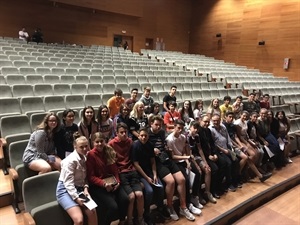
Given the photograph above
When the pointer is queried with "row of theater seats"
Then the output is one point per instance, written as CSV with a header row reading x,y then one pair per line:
x,y
61,100
117,79
19,90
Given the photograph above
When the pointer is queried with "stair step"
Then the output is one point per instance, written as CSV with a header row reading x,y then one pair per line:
x,y
5,190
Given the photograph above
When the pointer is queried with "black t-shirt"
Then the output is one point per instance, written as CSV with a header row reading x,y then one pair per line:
x,y
63,140
136,124
207,142
231,128
159,141
193,141
169,98
142,153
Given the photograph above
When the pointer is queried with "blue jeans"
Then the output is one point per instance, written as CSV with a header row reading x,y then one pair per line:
x,y
152,194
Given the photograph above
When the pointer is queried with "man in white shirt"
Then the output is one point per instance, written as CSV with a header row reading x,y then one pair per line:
x,y
23,35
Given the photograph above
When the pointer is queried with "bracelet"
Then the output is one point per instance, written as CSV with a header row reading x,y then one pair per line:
x,y
86,186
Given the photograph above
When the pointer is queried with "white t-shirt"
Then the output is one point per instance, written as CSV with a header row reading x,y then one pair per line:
x,y
177,145
23,35
244,127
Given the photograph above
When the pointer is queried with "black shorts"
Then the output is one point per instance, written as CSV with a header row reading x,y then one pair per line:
x,y
168,167
130,182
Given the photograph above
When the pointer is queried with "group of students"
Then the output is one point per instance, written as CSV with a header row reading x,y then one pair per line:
x,y
149,154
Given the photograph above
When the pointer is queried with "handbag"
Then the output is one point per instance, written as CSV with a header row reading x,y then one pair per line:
x,y
110,180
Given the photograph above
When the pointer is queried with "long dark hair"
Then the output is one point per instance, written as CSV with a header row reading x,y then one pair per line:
x,y
65,113
83,118
99,117
284,119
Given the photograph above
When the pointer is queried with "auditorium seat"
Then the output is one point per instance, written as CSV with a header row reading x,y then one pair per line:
x,y
108,79
54,103
120,79
67,79
96,79
5,91
31,105
94,100
7,70
94,88
26,70
61,89
51,79
58,71
36,119
108,88
40,204
9,106
15,79
20,90
42,89
18,171
19,63
124,87
71,71
134,79
15,133
42,70
34,79
74,102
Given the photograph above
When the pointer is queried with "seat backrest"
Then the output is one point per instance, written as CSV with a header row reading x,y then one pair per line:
x,y
7,128
43,89
16,151
32,104
74,101
61,89
39,190
36,119
9,106
54,103
93,100
5,91
20,90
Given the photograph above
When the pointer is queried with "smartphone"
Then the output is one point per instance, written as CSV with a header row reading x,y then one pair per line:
x,y
84,197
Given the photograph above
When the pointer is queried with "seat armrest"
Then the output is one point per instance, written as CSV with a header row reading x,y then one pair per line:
x,y
13,174
28,220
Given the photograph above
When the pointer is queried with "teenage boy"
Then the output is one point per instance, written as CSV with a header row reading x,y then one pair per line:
x,y
250,105
115,102
181,154
133,98
241,150
143,159
147,100
130,180
167,169
195,145
226,107
169,97
171,116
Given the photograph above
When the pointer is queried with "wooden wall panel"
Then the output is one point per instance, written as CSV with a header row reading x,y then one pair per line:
x,y
243,24
168,19
125,7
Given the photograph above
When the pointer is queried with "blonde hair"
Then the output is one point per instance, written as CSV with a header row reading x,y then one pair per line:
x,y
134,112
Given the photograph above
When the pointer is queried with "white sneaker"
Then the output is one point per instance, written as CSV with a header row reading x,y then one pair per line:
x,y
194,210
196,203
173,214
185,212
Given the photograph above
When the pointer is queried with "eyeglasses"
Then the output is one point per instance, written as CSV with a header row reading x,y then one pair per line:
x,y
205,121
52,121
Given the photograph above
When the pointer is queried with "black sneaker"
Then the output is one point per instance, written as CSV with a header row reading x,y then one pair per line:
x,y
231,188
163,211
265,177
